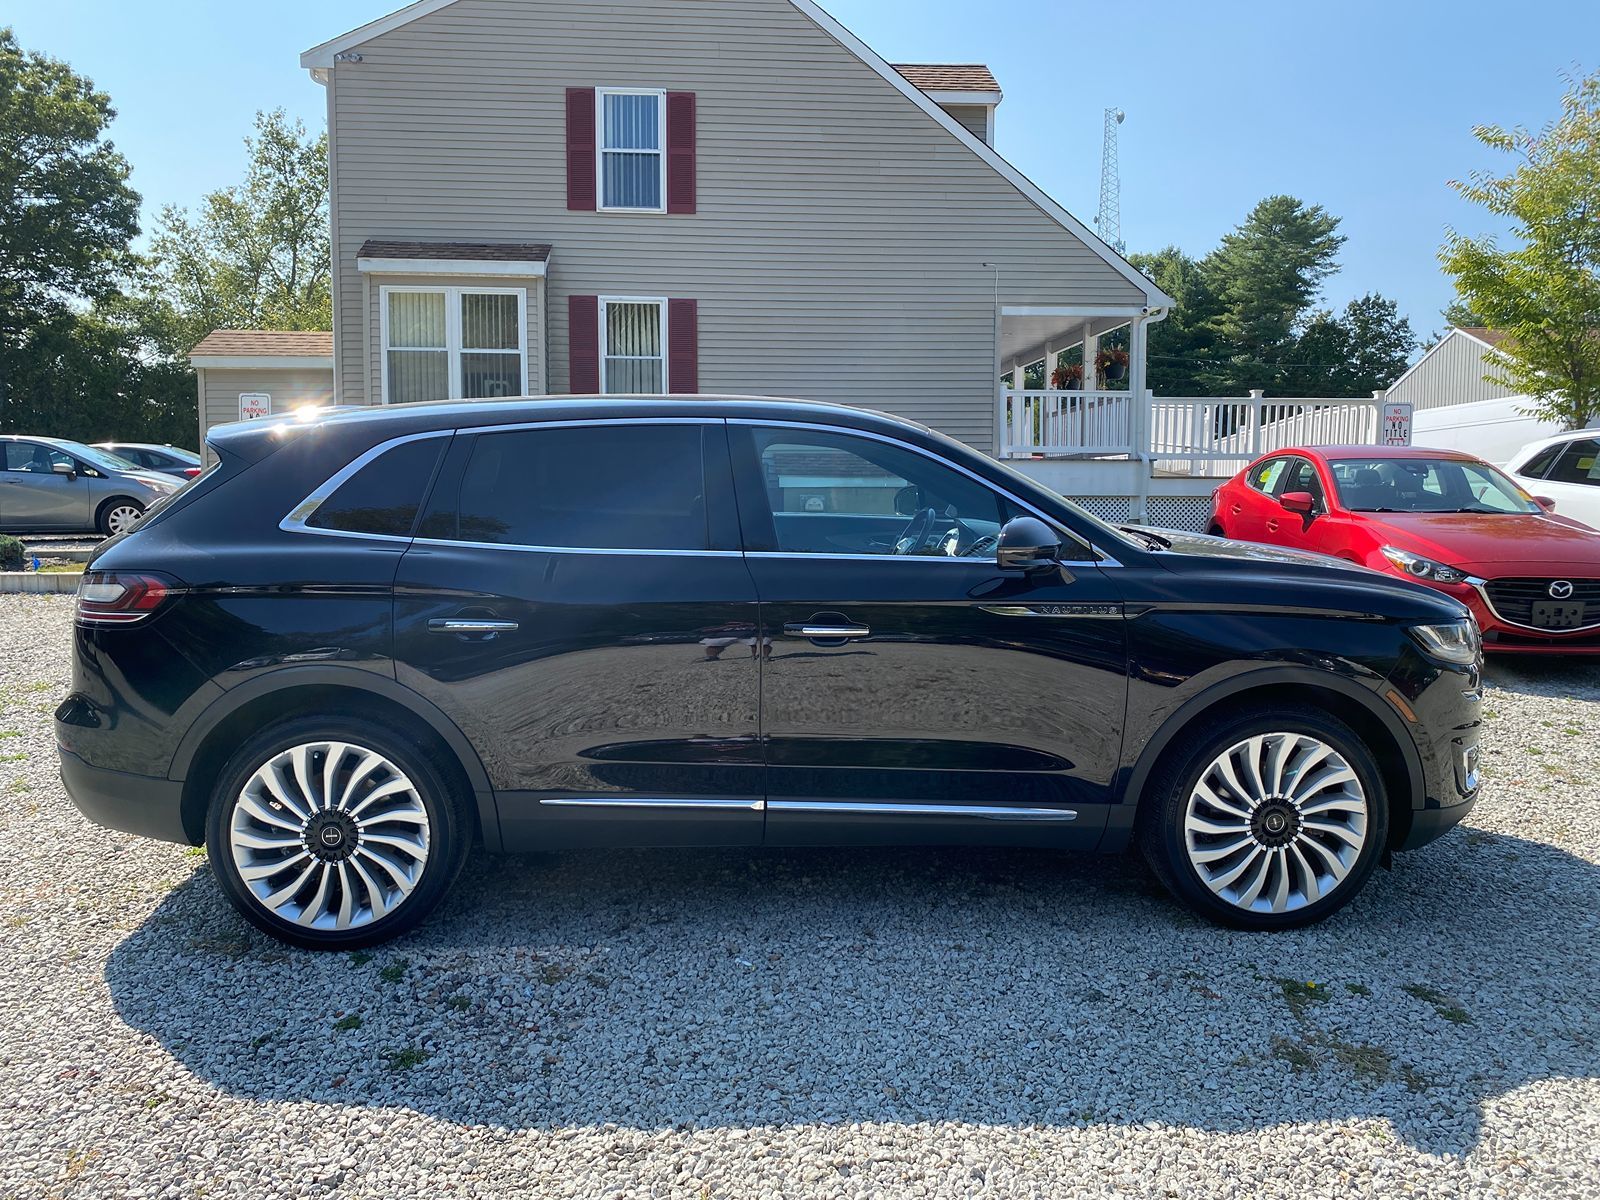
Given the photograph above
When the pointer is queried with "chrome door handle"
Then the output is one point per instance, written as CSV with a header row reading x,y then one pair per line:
x,y
826,633
470,625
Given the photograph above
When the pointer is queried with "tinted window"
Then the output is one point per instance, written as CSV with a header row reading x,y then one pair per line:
x,y
1536,466
384,495
600,487
837,494
26,456
1579,463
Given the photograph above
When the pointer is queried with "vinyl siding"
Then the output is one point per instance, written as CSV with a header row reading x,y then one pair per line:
x,y
288,389
533,298
1452,373
838,248
973,117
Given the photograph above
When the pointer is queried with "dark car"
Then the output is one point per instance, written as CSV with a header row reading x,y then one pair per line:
x,y
165,459
366,641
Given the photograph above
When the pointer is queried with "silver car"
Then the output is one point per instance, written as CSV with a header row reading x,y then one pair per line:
x,y
50,484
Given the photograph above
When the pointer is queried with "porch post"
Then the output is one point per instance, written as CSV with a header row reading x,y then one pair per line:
x,y
1091,351
1139,420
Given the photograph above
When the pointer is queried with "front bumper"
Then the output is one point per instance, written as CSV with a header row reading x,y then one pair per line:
x,y
1505,637
135,804
1444,709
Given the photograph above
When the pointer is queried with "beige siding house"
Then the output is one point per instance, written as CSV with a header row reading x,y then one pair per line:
x,y
723,196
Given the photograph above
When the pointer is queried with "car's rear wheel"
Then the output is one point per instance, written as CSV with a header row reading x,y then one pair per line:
x,y
334,833
1267,820
119,515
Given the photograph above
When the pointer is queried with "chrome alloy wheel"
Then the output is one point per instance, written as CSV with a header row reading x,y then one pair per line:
x,y
121,517
329,835
1276,822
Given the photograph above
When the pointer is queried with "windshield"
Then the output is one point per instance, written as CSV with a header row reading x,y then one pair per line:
x,y
102,459
1426,485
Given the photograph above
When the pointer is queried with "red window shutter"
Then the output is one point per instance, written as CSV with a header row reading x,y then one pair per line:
x,y
683,347
680,152
583,344
580,150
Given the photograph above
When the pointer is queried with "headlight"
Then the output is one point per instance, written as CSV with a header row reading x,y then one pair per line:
x,y
1422,568
1457,642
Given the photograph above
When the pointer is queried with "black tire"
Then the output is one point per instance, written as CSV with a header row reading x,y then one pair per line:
x,y
1161,826
447,832
103,518
1216,530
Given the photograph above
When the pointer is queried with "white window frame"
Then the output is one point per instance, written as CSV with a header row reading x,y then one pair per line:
x,y
600,147
452,331
661,305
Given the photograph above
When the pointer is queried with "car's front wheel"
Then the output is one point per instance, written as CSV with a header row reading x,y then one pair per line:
x,y
334,833
119,516
1266,820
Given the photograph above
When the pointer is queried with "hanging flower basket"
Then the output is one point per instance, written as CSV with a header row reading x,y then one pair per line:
x,y
1068,378
1112,365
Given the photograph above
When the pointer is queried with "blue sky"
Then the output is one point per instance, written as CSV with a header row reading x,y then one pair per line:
x,y
1364,107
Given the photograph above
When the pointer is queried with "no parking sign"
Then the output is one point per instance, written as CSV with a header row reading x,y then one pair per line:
x,y
1397,424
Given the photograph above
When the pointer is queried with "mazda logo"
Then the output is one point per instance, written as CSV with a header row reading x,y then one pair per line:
x,y
1561,589
332,835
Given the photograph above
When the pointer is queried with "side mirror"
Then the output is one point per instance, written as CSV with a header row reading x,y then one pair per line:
x,y
1299,502
1545,503
1027,544
67,469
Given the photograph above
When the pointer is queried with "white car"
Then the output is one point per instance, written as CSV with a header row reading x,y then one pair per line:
x,y
1565,468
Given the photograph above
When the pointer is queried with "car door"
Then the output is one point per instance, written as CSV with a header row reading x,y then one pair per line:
x,y
1250,507
1572,480
34,496
1285,528
578,604
911,691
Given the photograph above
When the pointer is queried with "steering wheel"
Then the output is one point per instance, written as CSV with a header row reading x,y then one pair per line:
x,y
916,532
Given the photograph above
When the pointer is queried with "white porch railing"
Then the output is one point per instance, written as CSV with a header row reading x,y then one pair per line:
x,y
1066,424
1191,435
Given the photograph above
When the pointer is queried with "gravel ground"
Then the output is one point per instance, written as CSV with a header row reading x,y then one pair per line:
x,y
754,1024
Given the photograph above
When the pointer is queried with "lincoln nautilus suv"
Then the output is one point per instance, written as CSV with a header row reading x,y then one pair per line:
x,y
365,642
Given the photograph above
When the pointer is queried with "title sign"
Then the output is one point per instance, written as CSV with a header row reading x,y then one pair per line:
x,y
1397,424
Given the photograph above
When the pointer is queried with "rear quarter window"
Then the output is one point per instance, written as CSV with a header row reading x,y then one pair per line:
x,y
382,497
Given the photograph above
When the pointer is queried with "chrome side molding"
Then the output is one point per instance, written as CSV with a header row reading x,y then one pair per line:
x,y
984,812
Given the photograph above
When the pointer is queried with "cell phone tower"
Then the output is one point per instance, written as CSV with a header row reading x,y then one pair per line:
x,y
1109,222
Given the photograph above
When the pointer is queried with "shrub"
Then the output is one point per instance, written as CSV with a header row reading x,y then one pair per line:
x,y
10,553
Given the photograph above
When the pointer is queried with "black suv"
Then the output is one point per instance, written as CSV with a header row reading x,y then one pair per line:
x,y
365,641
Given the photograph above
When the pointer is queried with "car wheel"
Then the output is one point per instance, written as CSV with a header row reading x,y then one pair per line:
x,y
119,515
1266,820
335,833
1216,530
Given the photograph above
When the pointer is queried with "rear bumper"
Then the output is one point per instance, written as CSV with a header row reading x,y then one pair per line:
x,y
135,804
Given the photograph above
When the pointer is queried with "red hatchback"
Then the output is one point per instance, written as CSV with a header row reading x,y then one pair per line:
x,y
1437,517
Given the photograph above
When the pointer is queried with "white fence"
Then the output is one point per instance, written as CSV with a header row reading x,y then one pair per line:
x,y
1190,435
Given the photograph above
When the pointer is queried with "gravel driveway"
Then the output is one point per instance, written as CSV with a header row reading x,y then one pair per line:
x,y
752,1024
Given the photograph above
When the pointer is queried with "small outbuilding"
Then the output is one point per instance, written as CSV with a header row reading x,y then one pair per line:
x,y
248,373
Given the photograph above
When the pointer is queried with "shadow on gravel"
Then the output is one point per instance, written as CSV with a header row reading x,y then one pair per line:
x,y
668,989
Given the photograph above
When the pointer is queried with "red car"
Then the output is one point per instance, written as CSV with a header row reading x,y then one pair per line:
x,y
1437,517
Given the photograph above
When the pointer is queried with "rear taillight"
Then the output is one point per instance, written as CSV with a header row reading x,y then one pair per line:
x,y
191,472
121,597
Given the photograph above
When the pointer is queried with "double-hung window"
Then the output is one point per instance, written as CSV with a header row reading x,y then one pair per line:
x,y
448,343
631,149
633,346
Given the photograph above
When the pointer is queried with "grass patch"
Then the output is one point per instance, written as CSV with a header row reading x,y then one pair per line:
x,y
458,1003
256,1043
347,1022
1298,1055
395,971
1367,1061
1300,995
1358,989
404,1060
360,958
554,973
5,758
1442,1004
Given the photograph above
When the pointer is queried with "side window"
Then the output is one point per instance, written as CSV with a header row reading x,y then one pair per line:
x,y
837,494
1264,477
593,487
1302,477
38,460
1540,462
1579,463
383,496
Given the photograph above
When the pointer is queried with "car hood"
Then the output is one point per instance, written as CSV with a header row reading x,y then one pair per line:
x,y
161,483
1490,544
1275,576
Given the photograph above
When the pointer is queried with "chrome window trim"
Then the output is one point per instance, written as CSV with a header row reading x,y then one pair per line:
x,y
653,802
520,548
1107,560
295,522
1481,586
987,812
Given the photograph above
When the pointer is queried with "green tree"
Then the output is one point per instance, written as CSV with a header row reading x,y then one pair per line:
x,y
1265,275
67,214
1180,347
1360,350
1543,294
255,256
